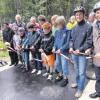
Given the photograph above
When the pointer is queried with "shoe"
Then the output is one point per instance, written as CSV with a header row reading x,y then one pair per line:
x,y
64,82
94,95
11,64
50,77
45,74
58,78
78,94
39,72
33,71
74,85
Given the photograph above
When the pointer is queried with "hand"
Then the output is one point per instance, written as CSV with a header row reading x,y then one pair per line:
x,y
41,50
58,51
53,50
32,47
71,50
88,51
77,52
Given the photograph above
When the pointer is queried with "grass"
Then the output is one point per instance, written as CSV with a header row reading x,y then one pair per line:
x,y
3,53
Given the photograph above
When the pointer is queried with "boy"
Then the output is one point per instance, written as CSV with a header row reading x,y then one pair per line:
x,y
46,50
61,45
34,45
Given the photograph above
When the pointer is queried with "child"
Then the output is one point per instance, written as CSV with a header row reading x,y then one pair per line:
x,y
54,24
46,50
61,45
34,45
23,46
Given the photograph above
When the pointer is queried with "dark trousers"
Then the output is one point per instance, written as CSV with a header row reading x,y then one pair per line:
x,y
13,57
97,85
37,64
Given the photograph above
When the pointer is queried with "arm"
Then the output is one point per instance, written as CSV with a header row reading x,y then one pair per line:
x,y
67,39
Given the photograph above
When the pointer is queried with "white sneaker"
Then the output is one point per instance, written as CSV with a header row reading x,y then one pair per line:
x,y
39,72
74,85
49,77
45,74
33,71
78,94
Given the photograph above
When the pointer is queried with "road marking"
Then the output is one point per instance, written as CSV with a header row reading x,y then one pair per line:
x,y
90,88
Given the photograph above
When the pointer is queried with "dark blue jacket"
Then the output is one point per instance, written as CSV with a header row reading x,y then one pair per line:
x,y
62,40
81,37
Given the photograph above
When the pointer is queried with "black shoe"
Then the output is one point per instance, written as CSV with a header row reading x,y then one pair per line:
x,y
94,95
64,82
58,78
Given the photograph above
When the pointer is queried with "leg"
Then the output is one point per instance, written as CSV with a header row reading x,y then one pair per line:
x,y
97,85
82,72
76,66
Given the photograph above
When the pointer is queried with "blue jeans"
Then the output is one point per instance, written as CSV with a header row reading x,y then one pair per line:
x,y
62,65
80,64
25,57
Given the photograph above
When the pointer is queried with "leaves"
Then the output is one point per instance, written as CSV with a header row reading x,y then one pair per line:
x,y
28,8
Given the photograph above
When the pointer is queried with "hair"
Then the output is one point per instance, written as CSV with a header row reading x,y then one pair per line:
x,y
54,17
18,15
46,25
41,18
61,20
30,25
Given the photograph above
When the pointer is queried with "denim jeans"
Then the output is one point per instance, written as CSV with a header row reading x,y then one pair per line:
x,y
37,64
80,64
61,65
25,57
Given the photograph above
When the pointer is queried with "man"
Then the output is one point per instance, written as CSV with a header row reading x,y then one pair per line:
x,y
96,43
80,43
18,21
8,38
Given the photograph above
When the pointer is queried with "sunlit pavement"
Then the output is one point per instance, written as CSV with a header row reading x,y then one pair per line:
x,y
15,85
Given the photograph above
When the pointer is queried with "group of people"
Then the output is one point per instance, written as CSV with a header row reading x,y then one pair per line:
x,y
50,44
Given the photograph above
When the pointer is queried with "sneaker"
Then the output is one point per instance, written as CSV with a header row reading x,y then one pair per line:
x,y
45,74
58,78
74,85
33,71
50,77
39,72
64,82
78,94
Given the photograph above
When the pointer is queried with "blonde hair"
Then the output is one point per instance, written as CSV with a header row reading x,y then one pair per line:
x,y
18,16
61,20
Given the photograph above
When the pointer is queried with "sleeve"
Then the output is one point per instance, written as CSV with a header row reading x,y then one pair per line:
x,y
67,41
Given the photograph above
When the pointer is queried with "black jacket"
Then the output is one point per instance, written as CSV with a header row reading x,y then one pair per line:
x,y
8,36
47,43
81,37
34,40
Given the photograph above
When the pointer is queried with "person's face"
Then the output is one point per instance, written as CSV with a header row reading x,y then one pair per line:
x,y
31,30
91,18
79,16
41,22
18,19
97,15
46,31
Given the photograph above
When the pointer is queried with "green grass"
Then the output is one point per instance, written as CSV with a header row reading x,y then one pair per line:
x,y
3,53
